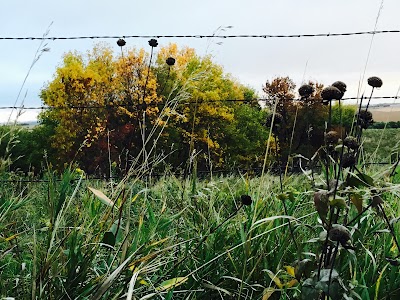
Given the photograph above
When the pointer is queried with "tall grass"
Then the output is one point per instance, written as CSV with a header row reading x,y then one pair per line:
x,y
55,241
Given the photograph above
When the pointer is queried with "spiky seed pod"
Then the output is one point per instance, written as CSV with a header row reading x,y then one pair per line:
x,y
340,85
351,142
365,119
348,160
278,121
331,93
376,201
332,137
339,233
375,82
306,90
121,42
321,203
153,43
246,199
170,61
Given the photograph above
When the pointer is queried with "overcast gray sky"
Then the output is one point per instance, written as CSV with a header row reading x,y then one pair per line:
x,y
252,61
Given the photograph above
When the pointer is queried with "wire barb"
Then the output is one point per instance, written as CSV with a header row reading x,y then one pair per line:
x,y
264,36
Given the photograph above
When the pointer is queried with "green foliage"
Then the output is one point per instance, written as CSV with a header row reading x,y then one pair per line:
x,y
246,137
69,251
25,149
139,126
381,145
343,116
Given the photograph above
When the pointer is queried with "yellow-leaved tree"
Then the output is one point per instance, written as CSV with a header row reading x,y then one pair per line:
x,y
112,109
100,103
202,127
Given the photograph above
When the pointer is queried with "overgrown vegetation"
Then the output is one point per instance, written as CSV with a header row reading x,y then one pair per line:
x,y
330,232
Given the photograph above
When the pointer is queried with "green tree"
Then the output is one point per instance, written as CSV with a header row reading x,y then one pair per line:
x,y
182,113
204,126
342,117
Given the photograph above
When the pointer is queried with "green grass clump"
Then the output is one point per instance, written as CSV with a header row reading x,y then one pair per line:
x,y
379,144
169,238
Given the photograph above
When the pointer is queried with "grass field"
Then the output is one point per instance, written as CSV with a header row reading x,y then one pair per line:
x,y
379,144
185,238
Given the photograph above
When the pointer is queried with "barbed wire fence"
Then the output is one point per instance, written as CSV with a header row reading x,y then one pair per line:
x,y
200,36
116,105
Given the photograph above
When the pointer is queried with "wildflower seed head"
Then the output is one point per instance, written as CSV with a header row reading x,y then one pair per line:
x,y
365,119
348,160
340,85
278,121
351,142
121,42
331,93
321,203
153,43
246,199
376,201
170,61
339,233
375,82
332,137
306,90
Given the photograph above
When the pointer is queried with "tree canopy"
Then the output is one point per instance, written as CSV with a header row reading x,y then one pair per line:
x,y
112,108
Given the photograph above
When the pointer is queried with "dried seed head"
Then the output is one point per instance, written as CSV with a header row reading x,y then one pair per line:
x,y
153,43
365,119
170,61
339,233
340,85
332,137
331,93
348,160
321,202
376,201
351,142
306,90
375,82
121,42
278,121
246,199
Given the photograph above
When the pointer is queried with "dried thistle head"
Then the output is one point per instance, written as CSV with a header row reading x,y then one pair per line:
x,y
331,93
365,118
246,199
170,61
348,160
278,121
351,142
339,233
332,137
375,82
153,43
306,90
121,42
321,203
340,85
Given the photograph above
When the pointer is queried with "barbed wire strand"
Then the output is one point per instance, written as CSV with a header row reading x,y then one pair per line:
x,y
115,105
198,36
106,178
